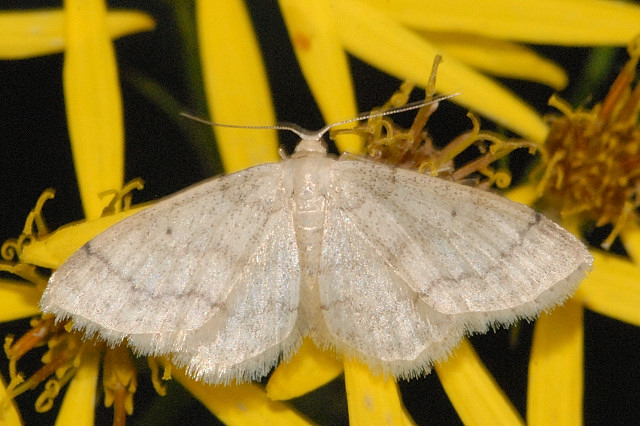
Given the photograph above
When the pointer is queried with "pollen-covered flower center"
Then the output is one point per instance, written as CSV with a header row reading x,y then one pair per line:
x,y
592,165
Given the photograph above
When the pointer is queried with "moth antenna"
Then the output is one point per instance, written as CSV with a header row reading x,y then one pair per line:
x,y
292,127
310,135
367,115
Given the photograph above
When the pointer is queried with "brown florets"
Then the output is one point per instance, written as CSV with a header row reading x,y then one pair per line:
x,y
592,157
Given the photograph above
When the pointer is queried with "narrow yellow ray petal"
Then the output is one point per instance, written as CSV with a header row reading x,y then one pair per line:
x,y
9,414
563,22
26,34
52,250
630,236
372,400
78,406
500,58
554,395
383,43
523,194
308,369
323,62
92,98
121,23
472,390
244,404
18,300
612,288
236,84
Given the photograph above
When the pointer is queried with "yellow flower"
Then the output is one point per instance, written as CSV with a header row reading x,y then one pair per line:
x,y
83,30
590,174
95,123
400,38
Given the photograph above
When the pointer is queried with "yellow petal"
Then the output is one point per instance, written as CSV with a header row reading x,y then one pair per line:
x,y
92,97
378,40
9,414
323,62
307,370
18,300
78,406
472,390
236,84
612,288
52,250
244,404
564,22
372,400
499,58
36,33
631,239
121,23
556,368
523,194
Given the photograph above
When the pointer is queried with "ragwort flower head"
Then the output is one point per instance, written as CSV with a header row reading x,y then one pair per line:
x,y
592,156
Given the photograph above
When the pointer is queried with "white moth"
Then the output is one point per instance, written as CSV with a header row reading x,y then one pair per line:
x,y
380,263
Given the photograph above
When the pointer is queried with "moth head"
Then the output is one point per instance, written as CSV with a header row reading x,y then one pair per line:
x,y
311,145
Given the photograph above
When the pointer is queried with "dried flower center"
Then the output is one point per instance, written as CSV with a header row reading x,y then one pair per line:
x,y
413,148
592,158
